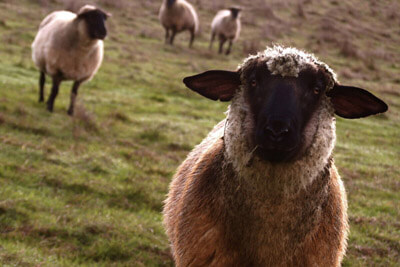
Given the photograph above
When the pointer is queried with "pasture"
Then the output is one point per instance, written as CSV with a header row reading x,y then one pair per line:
x,y
88,190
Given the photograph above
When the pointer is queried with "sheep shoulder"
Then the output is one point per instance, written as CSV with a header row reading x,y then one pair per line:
x,y
324,244
57,16
192,206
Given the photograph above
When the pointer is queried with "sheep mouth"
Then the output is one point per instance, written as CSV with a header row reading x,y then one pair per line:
x,y
277,154
100,36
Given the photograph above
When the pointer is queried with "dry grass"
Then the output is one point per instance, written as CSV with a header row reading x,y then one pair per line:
x,y
84,119
348,49
2,118
251,47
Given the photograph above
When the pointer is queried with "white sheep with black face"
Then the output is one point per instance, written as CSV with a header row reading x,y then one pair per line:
x,y
262,188
177,16
69,46
226,26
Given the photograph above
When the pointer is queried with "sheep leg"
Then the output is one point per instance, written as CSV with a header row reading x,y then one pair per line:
x,y
191,38
228,51
171,42
211,41
42,80
74,94
166,35
54,93
221,45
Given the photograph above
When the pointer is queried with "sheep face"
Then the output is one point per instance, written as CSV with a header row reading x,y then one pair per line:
x,y
170,3
283,99
281,109
95,23
235,11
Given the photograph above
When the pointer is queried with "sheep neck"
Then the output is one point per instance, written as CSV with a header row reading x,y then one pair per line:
x,y
262,177
78,37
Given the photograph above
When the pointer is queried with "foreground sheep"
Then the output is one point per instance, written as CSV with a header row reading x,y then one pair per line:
x,y
178,16
226,25
262,188
69,46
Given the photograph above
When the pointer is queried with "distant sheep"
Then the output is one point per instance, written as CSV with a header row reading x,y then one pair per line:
x,y
262,188
69,46
178,16
226,25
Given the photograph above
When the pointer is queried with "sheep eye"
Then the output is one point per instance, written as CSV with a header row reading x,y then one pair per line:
x,y
253,83
317,90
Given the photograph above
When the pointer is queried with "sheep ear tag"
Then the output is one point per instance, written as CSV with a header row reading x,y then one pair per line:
x,y
214,84
352,102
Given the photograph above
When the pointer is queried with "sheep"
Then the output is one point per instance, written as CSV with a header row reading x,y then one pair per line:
x,y
226,25
69,46
178,16
262,188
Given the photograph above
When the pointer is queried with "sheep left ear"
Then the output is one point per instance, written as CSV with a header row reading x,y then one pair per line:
x,y
352,102
214,84
106,14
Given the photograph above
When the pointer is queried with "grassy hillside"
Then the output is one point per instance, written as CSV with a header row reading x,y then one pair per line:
x,y
88,190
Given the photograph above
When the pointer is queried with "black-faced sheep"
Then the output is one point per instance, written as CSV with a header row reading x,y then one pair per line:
x,y
69,46
226,25
262,188
177,16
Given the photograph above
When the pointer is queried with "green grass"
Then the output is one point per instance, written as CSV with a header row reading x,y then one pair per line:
x,y
88,190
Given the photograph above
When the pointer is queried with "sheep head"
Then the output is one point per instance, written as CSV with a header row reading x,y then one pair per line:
x,y
235,10
95,21
170,3
282,93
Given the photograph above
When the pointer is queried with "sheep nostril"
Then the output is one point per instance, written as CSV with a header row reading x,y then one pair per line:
x,y
276,134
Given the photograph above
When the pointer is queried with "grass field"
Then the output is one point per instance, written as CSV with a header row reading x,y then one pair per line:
x,y
88,190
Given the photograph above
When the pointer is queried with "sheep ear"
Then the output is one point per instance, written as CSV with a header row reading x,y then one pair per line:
x,y
352,102
214,84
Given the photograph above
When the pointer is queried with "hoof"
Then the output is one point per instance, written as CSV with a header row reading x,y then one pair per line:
x,y
50,108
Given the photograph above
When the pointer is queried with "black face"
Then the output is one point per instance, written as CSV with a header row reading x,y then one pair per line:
x,y
281,108
95,20
170,2
235,12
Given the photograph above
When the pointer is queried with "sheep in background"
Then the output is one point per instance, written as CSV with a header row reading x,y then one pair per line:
x,y
226,25
69,46
178,16
262,188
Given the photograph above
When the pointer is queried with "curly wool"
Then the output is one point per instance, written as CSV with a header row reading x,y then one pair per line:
x,y
289,62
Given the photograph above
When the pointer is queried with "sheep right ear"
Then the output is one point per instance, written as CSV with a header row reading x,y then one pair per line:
x,y
214,84
352,103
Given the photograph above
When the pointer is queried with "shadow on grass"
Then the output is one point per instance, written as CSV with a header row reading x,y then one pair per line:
x,y
128,199
9,217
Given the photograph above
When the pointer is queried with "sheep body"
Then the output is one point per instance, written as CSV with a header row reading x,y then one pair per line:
x,y
57,48
226,25
69,46
227,207
178,16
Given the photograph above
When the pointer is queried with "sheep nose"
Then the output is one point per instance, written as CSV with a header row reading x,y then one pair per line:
x,y
277,129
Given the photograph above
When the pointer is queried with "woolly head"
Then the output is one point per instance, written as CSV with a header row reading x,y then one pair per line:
x,y
282,99
170,3
94,19
235,10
